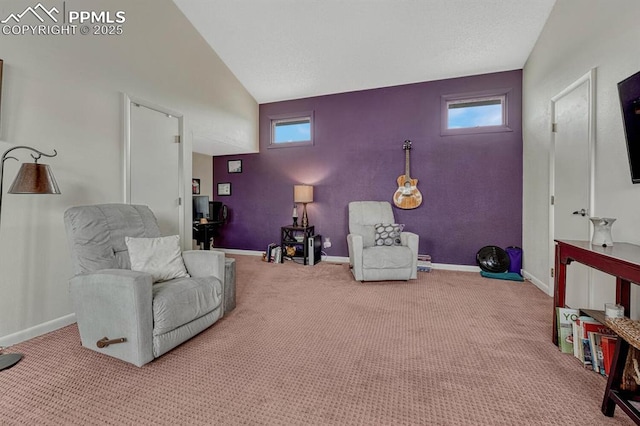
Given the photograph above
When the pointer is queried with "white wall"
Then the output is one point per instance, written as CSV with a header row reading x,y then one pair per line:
x,y
203,170
64,93
580,35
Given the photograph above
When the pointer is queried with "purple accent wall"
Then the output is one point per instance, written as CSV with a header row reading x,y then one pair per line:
x,y
471,184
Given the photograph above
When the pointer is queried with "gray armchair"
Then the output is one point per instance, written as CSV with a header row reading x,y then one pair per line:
x,y
110,300
370,262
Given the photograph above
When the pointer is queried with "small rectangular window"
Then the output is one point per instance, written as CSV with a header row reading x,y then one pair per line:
x,y
474,114
292,130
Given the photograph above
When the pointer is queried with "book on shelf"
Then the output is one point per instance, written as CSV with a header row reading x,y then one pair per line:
x,y
584,324
270,252
577,335
592,326
593,342
424,263
589,331
587,360
277,254
596,352
576,332
593,330
566,318
608,344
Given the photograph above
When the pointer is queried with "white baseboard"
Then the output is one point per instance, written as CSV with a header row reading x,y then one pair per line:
x,y
453,267
238,251
542,286
37,330
335,259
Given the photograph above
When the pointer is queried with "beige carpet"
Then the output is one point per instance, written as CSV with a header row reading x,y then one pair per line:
x,y
308,345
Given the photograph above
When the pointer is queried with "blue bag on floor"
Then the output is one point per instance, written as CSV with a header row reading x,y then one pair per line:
x,y
515,257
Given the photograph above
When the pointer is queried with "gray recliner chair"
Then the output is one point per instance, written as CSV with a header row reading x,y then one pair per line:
x,y
371,262
139,319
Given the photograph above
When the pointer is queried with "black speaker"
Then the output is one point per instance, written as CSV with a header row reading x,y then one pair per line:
x,y
314,249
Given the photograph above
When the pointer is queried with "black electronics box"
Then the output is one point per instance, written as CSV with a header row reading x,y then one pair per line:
x,y
314,249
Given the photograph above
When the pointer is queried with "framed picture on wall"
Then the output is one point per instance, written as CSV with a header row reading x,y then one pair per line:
x,y
195,186
224,188
234,166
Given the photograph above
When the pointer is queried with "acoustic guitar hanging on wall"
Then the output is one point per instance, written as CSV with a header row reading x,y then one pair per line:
x,y
407,196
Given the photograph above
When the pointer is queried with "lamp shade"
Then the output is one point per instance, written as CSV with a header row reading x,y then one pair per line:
x,y
34,178
302,193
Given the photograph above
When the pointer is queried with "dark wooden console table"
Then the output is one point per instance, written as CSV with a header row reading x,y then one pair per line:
x,y
622,260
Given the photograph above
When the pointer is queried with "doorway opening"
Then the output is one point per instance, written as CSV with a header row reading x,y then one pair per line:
x,y
155,162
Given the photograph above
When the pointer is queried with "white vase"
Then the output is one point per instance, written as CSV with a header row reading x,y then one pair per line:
x,y
602,231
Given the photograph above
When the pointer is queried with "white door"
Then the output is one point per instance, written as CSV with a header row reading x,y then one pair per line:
x,y
572,179
154,165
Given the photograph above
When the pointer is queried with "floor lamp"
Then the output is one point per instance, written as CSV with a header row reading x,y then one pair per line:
x,y
32,178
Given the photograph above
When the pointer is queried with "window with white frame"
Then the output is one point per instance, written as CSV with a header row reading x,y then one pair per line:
x,y
475,113
292,130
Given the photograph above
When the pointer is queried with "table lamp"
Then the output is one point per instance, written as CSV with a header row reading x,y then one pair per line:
x,y
32,178
303,194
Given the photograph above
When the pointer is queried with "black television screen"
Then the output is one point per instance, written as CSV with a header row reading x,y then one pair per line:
x,y
200,206
629,94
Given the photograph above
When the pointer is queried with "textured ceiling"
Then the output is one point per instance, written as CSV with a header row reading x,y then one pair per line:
x,y
289,49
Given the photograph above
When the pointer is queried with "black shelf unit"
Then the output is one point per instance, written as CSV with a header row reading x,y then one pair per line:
x,y
288,236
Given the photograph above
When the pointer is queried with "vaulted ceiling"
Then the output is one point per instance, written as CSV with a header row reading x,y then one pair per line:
x,y
290,49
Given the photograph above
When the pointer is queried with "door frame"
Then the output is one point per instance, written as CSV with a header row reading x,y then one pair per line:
x,y
590,79
183,164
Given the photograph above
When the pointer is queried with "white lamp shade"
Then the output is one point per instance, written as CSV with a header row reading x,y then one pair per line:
x,y
303,193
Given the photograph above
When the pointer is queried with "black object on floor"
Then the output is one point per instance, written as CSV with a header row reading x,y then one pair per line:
x,y
493,259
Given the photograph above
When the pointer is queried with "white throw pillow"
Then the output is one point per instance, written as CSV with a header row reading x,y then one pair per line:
x,y
161,257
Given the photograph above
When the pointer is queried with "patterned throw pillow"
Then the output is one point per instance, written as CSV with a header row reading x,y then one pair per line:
x,y
388,234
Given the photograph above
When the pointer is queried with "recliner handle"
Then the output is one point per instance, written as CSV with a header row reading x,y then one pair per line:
x,y
104,342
